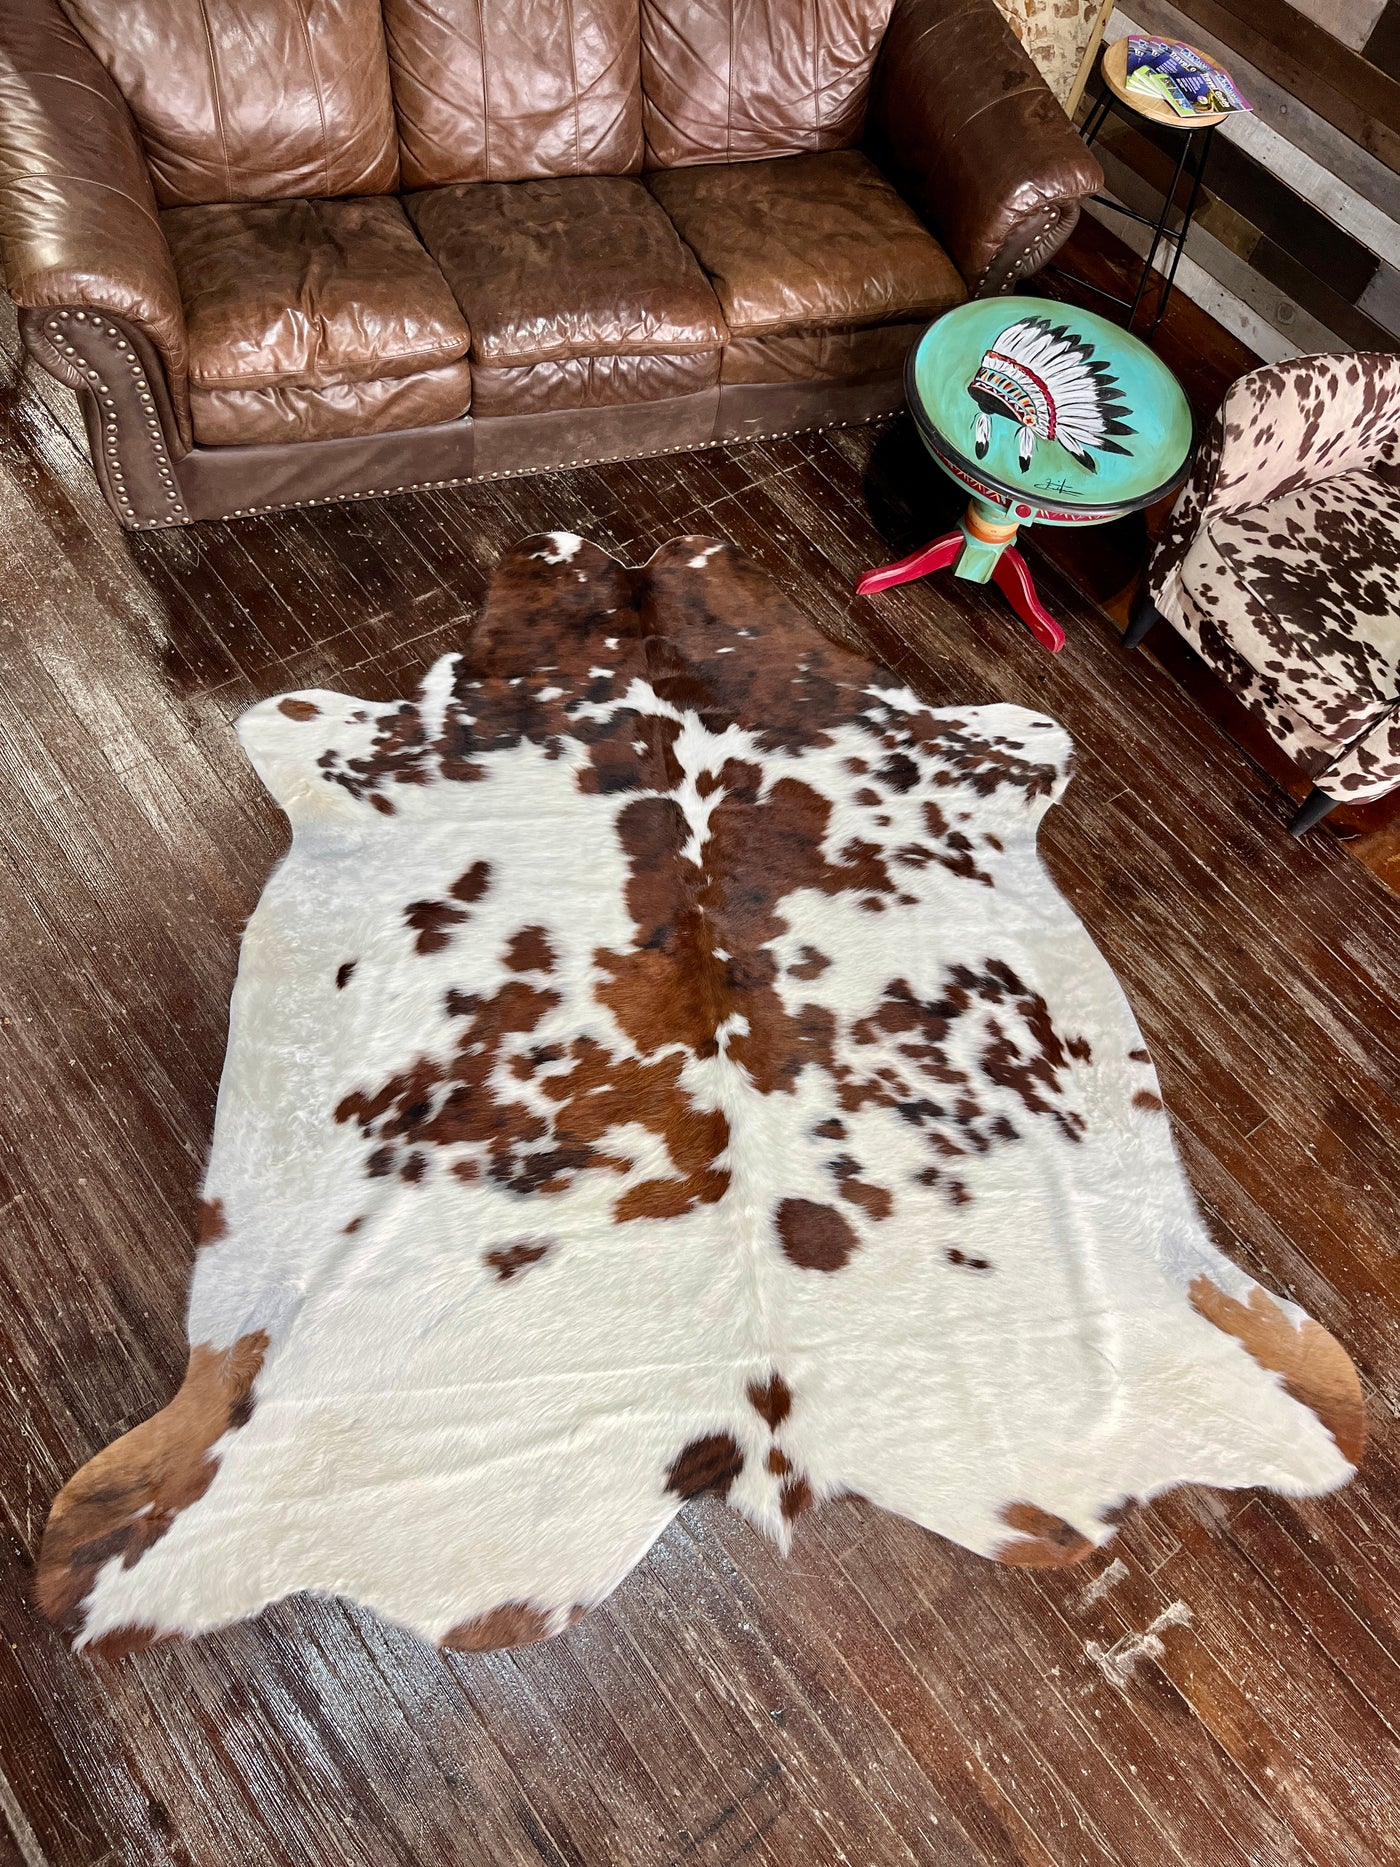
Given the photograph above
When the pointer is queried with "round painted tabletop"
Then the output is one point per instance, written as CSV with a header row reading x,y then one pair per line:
x,y
1049,404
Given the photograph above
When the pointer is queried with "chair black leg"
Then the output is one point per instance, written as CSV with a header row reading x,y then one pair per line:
x,y
1313,809
1141,617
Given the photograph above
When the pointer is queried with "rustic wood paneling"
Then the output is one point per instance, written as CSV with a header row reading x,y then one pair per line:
x,y
1383,46
1348,90
1328,249
1267,318
1295,240
1351,21
1275,106
1220,1690
1315,263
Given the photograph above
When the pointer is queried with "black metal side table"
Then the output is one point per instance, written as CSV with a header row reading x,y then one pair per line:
x,y
1196,134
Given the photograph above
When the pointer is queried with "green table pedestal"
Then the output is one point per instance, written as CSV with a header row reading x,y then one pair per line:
x,y
981,551
1046,415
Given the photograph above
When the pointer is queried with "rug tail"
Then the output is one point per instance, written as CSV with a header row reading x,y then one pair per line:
x,y
123,1501
1314,1367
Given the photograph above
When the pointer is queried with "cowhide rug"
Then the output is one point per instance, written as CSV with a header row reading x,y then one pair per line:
x,y
662,1064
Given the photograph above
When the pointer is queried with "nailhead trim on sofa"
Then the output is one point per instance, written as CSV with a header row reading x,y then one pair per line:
x,y
80,341
99,359
523,473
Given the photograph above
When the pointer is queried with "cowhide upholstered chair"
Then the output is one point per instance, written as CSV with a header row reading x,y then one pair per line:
x,y
1281,566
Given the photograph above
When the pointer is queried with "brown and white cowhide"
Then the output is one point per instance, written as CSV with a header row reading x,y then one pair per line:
x,y
663,1064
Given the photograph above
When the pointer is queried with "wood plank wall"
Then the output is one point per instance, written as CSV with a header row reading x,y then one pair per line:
x,y
1296,245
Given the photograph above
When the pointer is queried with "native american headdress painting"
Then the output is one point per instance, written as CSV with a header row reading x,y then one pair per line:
x,y
1047,379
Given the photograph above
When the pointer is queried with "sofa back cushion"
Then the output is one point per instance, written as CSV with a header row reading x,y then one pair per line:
x,y
736,80
251,100
511,90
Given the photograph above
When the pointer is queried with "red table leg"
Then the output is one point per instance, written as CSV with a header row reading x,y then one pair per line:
x,y
936,556
1013,578
1010,575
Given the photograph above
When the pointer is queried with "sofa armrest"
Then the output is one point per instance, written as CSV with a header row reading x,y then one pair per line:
x,y
1279,428
78,219
1294,423
971,135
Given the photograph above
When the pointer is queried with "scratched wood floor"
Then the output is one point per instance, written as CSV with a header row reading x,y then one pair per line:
x,y
1220,1689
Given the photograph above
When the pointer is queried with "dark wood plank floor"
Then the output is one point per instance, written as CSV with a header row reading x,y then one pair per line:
x,y
1219,1690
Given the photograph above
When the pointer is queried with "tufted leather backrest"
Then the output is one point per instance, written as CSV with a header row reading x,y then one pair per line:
x,y
734,80
251,100
502,90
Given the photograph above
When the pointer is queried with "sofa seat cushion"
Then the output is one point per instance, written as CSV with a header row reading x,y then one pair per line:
x,y
310,320
309,292
334,412
571,266
809,242
1307,589
822,355
591,382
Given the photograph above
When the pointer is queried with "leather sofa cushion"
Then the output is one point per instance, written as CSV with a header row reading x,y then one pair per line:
x,y
585,265
733,80
821,356
815,242
591,382
251,101
309,293
282,412
502,90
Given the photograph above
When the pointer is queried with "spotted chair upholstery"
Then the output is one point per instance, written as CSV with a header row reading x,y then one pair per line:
x,y
1281,562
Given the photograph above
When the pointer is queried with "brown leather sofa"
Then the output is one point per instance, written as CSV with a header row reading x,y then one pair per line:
x,y
290,251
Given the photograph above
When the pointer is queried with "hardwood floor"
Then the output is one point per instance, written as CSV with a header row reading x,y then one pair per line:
x,y
1218,1689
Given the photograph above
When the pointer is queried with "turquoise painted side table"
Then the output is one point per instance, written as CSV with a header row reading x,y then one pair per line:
x,y
1048,415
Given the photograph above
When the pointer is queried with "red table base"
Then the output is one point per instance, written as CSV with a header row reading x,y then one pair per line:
x,y
1010,575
